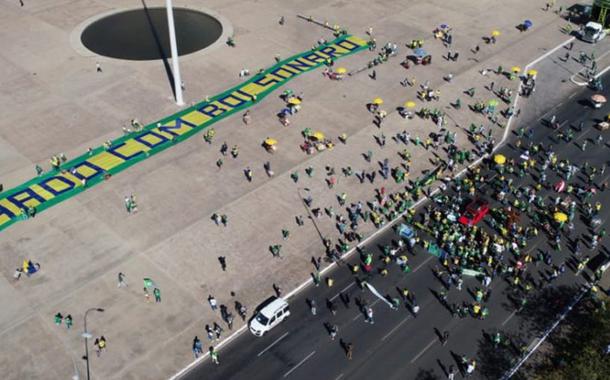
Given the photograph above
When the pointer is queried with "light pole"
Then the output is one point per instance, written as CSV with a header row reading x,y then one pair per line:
x,y
174,49
86,335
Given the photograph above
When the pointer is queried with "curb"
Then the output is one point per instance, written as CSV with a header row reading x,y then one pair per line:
x,y
331,266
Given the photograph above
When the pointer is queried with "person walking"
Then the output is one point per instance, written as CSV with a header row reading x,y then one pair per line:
x,y
213,303
369,315
197,348
277,289
58,319
312,307
214,355
445,337
210,332
122,283
146,295
349,351
218,330
333,332
100,344
229,320
68,321
157,293
451,374
223,263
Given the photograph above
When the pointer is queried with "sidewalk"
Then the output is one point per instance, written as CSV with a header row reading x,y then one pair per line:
x,y
84,243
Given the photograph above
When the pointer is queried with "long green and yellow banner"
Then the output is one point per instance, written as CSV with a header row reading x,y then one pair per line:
x,y
98,164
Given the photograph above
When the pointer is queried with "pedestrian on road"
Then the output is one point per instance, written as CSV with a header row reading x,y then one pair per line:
x,y
333,332
98,67
157,293
331,306
451,374
369,315
214,355
312,307
146,295
345,299
445,337
349,351
122,282
58,319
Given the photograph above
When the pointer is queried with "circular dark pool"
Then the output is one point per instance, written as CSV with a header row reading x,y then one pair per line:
x,y
142,34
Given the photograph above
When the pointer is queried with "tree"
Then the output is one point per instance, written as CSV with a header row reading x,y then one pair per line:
x,y
578,349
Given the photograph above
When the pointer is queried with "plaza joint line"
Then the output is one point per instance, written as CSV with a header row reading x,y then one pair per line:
x,y
93,167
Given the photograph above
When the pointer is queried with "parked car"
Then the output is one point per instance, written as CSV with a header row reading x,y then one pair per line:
x,y
474,212
593,32
269,316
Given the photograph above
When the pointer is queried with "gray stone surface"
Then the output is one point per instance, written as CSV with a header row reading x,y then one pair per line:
x,y
52,101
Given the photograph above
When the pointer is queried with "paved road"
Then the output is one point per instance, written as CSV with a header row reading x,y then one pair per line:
x,y
399,345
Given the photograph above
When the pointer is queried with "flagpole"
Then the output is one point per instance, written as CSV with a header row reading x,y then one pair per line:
x,y
174,49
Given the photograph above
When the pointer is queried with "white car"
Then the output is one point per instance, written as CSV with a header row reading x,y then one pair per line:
x,y
593,32
269,316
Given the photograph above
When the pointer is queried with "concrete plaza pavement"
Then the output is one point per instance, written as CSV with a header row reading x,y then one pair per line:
x,y
53,101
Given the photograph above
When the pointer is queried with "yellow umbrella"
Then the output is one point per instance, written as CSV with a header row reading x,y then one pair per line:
x,y
271,142
378,101
341,70
410,104
532,72
495,33
294,101
318,135
500,159
515,69
560,217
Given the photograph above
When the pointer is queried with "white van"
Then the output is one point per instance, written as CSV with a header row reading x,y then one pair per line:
x,y
269,317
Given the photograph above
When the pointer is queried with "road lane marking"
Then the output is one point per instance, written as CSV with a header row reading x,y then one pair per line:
x,y
395,328
424,350
509,317
342,290
422,264
298,365
273,344
421,201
